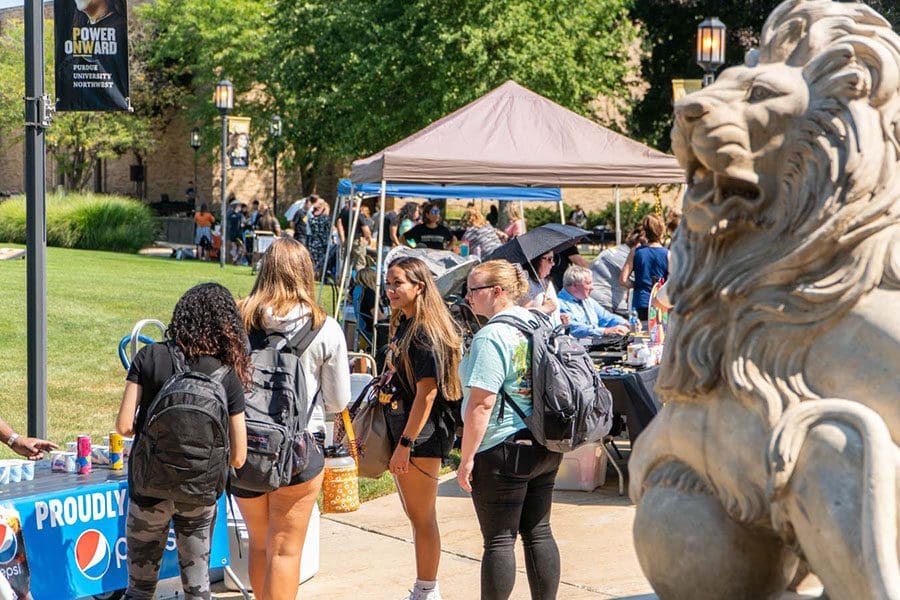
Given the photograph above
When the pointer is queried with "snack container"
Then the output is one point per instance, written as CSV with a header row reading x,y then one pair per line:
x,y
15,470
83,454
99,455
4,473
71,446
62,462
27,469
126,447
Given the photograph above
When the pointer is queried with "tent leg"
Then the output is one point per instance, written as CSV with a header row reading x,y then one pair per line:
x,y
618,219
562,212
378,267
345,272
338,206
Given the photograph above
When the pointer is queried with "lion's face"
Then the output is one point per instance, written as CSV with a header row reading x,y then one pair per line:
x,y
729,137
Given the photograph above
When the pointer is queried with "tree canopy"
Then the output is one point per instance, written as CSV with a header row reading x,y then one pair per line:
x,y
671,29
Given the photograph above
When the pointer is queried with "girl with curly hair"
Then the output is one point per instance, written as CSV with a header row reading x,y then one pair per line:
x,y
282,304
423,357
207,330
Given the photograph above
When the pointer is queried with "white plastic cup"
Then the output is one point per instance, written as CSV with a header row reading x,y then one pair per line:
x,y
27,470
15,470
4,473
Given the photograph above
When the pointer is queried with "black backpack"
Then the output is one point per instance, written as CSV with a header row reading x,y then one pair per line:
x,y
572,407
183,449
277,413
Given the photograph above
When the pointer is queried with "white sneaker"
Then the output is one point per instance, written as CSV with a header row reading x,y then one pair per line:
x,y
417,594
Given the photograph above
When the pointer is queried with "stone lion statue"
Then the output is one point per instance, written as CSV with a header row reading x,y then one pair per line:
x,y
776,448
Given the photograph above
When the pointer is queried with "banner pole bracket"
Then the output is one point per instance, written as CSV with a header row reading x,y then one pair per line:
x,y
38,111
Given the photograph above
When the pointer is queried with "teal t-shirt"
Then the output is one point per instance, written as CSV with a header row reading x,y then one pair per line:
x,y
500,356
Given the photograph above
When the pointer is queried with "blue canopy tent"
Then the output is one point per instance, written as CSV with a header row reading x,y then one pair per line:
x,y
347,188
454,192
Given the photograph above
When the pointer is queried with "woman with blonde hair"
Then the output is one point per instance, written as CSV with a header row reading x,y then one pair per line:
x,y
516,220
282,303
480,235
423,361
509,474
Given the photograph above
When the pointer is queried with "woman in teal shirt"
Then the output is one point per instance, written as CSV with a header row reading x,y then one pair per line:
x,y
509,474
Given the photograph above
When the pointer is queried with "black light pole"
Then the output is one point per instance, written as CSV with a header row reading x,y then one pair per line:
x,y
224,99
710,48
195,144
37,119
275,132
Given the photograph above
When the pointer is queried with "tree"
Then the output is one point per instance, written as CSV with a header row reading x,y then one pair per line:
x,y
356,75
671,29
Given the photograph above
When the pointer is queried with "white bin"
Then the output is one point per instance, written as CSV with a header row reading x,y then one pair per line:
x,y
582,469
309,563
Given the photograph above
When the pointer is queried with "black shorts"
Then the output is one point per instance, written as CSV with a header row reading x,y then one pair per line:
x,y
312,470
436,438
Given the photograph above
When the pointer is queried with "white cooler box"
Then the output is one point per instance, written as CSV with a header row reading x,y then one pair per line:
x,y
582,469
309,563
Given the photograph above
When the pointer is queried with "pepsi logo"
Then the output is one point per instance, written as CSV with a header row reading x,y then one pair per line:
x,y
8,544
92,554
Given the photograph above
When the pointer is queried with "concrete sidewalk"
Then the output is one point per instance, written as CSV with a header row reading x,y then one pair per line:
x,y
368,554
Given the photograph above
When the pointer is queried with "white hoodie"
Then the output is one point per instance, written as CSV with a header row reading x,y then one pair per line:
x,y
324,362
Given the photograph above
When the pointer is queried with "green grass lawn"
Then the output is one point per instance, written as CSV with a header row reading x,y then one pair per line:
x,y
93,300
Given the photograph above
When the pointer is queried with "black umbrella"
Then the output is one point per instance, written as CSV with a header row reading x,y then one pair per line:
x,y
553,237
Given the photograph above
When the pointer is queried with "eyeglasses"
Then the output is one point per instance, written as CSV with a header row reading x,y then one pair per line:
x,y
480,287
549,259
435,211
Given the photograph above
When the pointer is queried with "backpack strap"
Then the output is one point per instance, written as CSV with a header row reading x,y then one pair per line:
x,y
303,338
178,361
504,400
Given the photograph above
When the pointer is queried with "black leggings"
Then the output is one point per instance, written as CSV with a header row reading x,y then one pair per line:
x,y
512,489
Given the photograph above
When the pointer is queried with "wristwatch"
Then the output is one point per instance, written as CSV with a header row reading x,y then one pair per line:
x,y
12,439
406,442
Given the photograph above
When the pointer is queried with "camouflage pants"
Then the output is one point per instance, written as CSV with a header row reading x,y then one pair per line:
x,y
147,532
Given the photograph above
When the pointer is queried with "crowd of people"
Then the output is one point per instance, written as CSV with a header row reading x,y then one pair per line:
x,y
433,386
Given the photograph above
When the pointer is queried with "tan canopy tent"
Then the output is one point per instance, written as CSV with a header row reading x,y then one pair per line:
x,y
513,136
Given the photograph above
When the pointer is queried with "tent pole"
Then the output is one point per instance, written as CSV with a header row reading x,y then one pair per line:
x,y
378,266
618,220
562,212
345,272
338,206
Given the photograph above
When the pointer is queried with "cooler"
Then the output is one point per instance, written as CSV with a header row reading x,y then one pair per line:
x,y
239,546
582,469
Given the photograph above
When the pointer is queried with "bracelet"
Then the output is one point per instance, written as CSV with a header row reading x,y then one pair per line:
x,y
12,439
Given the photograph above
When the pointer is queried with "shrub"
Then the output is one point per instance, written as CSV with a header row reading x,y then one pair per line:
x,y
631,213
541,215
85,221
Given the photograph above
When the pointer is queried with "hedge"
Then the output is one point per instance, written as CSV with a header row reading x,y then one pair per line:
x,y
85,221
632,212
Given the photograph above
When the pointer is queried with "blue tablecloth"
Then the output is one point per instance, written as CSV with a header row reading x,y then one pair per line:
x,y
73,528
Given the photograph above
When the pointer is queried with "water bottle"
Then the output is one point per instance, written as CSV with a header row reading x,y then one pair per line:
x,y
464,248
634,322
340,490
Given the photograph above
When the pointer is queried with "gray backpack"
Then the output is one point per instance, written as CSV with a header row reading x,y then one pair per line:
x,y
277,412
572,407
182,451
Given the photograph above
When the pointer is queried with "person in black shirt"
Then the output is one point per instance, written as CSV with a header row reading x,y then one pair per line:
x,y
206,329
431,234
423,359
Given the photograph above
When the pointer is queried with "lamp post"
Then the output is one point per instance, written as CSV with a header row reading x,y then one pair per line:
x,y
710,48
275,132
195,144
224,100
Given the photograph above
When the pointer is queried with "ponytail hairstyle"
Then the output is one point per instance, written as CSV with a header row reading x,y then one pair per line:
x,y
206,322
508,276
432,324
285,280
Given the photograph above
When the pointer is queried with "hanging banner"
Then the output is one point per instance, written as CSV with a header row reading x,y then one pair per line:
x,y
91,55
239,142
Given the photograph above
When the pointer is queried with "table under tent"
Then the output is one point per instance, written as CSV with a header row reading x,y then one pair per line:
x,y
511,136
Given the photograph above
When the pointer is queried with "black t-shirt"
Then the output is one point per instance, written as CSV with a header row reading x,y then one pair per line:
x,y
435,238
346,218
422,362
153,366
390,220
235,225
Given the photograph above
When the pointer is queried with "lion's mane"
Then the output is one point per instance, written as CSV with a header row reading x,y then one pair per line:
x,y
748,306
